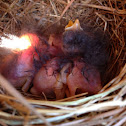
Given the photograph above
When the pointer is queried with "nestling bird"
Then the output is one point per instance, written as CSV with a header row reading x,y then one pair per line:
x,y
20,67
83,78
89,43
51,79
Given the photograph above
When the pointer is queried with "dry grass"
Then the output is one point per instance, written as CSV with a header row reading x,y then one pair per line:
x,y
108,107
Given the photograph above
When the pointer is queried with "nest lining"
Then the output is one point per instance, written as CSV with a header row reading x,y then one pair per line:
x,y
105,108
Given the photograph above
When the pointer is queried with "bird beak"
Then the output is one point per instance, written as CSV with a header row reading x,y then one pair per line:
x,y
73,26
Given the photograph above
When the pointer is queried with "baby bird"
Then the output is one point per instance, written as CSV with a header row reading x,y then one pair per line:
x,y
83,78
86,42
51,79
87,48
20,67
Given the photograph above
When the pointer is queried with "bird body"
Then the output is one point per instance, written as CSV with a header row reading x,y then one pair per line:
x,y
89,43
83,78
19,70
18,67
48,81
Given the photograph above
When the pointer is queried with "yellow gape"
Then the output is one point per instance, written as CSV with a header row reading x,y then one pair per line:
x,y
73,26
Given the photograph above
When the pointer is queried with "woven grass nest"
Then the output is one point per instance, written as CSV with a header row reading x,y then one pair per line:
x,y
108,107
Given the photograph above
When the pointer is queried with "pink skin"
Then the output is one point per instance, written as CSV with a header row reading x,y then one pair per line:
x,y
48,81
18,68
55,42
58,84
89,81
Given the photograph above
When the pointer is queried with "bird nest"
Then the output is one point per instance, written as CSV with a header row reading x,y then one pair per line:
x,y
108,107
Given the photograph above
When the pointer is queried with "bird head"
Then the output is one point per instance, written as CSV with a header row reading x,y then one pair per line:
x,y
74,39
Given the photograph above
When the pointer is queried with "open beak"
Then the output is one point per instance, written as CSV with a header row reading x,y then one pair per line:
x,y
73,26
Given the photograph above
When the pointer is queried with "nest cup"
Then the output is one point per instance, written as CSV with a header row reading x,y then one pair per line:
x,y
108,107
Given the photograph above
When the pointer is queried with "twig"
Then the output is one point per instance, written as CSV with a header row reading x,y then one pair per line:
x,y
121,122
66,8
2,123
64,11
5,84
122,12
103,18
54,7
